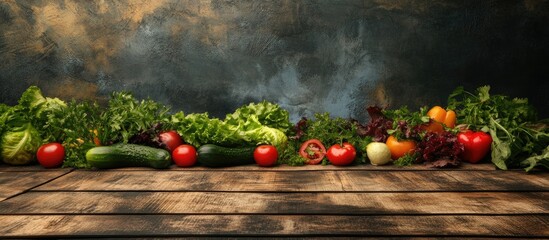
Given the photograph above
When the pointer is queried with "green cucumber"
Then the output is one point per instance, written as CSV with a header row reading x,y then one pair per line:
x,y
128,155
211,155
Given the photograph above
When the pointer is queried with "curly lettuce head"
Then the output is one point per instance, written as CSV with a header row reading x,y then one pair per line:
x,y
267,114
19,145
268,135
250,125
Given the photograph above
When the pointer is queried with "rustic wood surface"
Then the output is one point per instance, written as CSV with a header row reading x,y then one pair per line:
x,y
474,201
17,182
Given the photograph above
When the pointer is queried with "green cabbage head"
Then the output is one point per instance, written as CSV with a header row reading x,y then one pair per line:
x,y
19,145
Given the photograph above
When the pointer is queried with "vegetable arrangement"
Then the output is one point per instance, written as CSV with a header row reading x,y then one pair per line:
x,y
129,132
517,138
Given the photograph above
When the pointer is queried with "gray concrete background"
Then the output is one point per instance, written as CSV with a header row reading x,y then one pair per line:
x,y
308,56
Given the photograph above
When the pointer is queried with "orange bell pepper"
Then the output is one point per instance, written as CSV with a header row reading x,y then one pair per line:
x,y
441,118
399,148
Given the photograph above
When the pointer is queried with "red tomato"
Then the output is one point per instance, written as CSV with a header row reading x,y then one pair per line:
x,y
341,155
171,139
50,155
476,145
184,155
313,151
265,155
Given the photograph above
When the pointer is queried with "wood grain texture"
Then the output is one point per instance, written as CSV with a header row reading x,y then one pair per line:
x,y
276,203
303,181
12,183
249,201
252,167
29,168
270,225
362,167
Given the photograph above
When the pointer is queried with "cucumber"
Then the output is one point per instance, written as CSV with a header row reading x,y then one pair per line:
x,y
128,155
211,155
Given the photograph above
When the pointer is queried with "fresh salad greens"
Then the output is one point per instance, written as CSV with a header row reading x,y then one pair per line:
x,y
406,123
537,160
83,125
329,131
126,116
264,113
21,126
76,128
434,148
332,131
79,126
510,122
519,139
19,144
250,125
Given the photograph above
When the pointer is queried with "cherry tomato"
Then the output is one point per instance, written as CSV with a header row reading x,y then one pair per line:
x,y
399,148
341,155
265,155
313,151
184,155
171,139
50,155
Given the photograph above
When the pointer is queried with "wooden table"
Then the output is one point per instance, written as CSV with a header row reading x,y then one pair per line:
x,y
249,201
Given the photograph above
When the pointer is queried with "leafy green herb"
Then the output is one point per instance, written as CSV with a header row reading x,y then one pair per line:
x,y
407,124
476,109
332,131
406,160
290,155
537,160
80,124
337,130
127,116
509,122
404,114
73,127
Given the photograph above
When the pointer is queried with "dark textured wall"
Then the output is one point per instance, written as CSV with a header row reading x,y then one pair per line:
x,y
308,56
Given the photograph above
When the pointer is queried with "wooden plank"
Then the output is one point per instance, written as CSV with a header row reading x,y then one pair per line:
x,y
464,167
270,225
328,238
13,183
276,203
302,181
252,167
362,167
29,168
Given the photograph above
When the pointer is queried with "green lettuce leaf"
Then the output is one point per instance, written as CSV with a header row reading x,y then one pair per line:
x,y
127,116
20,144
250,125
268,135
537,160
266,113
32,98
